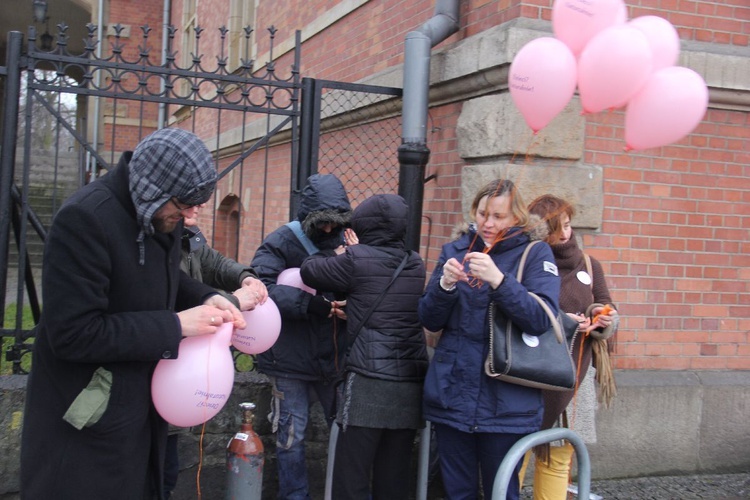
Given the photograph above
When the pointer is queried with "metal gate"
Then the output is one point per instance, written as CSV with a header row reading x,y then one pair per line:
x,y
351,130
134,93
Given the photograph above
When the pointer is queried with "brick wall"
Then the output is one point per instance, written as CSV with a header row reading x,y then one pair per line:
x,y
673,237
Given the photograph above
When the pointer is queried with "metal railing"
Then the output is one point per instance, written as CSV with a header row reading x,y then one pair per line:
x,y
517,451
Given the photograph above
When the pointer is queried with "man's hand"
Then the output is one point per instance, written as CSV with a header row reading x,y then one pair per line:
x,y
203,320
252,293
230,314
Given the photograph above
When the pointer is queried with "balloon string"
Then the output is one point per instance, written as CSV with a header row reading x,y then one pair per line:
x,y
203,427
200,461
335,344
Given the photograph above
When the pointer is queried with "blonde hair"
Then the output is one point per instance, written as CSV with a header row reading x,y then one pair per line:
x,y
500,187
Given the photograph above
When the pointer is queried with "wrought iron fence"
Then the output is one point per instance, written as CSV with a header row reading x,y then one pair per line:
x,y
134,92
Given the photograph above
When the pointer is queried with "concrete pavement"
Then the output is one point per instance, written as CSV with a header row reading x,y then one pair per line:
x,y
714,487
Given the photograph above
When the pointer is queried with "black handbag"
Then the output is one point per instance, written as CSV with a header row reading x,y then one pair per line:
x,y
542,361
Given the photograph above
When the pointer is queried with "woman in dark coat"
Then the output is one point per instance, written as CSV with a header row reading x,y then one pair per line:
x,y
477,418
380,398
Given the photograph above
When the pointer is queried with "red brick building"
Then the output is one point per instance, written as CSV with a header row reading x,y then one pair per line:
x,y
671,225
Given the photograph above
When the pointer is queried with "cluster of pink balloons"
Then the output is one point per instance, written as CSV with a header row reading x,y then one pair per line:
x,y
194,387
614,63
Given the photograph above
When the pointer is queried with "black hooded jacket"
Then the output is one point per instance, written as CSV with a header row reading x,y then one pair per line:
x,y
308,345
390,346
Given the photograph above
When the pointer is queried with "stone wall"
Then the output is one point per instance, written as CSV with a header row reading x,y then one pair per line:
x,y
661,423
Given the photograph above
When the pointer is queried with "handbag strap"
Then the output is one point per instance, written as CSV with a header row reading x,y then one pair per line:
x,y
519,276
380,297
522,263
589,268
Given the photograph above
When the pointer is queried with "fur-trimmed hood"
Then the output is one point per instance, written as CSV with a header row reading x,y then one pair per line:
x,y
536,228
324,199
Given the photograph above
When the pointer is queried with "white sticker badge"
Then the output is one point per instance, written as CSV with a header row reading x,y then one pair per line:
x,y
530,340
583,277
550,267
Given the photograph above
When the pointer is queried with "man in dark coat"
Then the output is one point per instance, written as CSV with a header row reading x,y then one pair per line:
x,y
111,284
304,359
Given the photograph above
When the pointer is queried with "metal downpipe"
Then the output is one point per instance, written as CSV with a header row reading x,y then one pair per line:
x,y
413,153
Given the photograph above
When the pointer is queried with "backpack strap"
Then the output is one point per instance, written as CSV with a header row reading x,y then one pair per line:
x,y
296,228
374,304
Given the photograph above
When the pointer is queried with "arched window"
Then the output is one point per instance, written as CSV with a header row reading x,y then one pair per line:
x,y
227,226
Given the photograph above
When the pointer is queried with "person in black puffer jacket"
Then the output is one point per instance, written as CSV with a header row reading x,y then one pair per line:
x,y
305,357
379,409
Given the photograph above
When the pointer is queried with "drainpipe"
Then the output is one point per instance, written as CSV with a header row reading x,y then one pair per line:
x,y
413,153
165,16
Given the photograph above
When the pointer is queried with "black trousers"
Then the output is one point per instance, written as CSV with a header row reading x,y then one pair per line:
x,y
171,465
377,460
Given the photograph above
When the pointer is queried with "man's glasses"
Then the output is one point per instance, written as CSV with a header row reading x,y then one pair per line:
x,y
180,207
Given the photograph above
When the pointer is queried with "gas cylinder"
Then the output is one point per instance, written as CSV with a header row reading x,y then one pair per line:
x,y
245,460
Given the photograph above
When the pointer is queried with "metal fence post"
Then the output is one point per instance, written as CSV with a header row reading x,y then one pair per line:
x,y
8,152
518,450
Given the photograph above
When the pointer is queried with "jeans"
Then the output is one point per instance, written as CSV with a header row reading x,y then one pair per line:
x,y
289,415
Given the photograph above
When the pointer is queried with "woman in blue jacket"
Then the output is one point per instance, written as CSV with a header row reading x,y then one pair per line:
x,y
477,418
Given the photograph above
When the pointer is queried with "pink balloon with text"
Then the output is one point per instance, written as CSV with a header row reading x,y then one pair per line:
x,y
575,22
262,330
542,80
193,388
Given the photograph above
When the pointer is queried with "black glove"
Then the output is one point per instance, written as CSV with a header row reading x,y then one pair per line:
x,y
319,306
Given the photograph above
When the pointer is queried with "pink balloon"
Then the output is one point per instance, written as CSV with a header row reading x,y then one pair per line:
x,y
622,16
575,22
666,109
262,330
542,80
614,65
291,277
193,388
662,38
